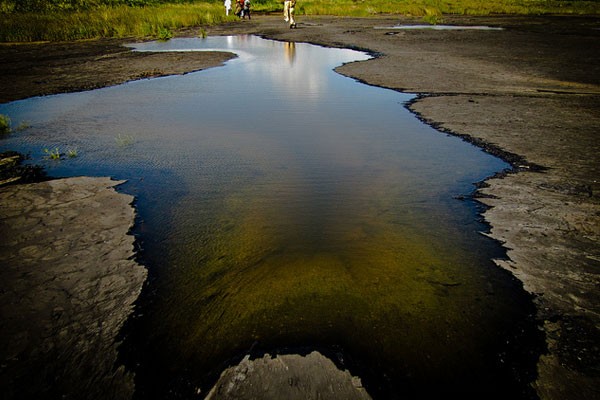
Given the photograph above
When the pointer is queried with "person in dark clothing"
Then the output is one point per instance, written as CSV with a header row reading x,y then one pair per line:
x,y
246,9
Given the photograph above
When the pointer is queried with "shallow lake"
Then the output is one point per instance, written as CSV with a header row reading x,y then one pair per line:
x,y
286,208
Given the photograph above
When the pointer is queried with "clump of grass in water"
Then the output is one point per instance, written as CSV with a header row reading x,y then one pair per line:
x,y
55,154
5,124
52,154
22,126
124,140
72,153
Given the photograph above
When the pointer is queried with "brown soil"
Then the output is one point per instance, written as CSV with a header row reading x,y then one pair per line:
x,y
529,93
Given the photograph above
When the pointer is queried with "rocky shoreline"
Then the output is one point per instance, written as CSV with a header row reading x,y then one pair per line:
x,y
531,90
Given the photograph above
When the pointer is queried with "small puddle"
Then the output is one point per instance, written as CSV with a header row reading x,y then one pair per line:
x,y
286,208
443,27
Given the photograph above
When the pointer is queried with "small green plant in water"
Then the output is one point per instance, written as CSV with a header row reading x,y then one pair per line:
x,y
202,33
52,154
4,124
72,153
22,126
124,140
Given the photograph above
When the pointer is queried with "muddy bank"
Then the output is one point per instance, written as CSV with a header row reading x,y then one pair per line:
x,y
528,93
549,221
67,285
49,68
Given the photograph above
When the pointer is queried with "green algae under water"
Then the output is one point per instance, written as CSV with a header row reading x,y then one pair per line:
x,y
285,208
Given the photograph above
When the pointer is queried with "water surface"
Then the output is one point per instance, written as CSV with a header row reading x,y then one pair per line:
x,y
283,208
443,27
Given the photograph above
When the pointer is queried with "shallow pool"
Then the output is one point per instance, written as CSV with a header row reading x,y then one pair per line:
x,y
286,208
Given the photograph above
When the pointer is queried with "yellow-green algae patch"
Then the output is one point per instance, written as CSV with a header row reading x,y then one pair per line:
x,y
361,281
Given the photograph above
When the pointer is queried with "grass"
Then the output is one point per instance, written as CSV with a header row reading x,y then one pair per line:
x,y
124,140
164,33
22,126
52,154
5,124
365,8
59,20
55,153
72,153
119,22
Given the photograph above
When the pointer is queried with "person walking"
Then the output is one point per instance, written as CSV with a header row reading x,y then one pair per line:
x,y
246,9
239,8
288,12
227,4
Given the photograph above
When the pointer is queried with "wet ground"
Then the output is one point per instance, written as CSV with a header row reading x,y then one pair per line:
x,y
531,106
68,284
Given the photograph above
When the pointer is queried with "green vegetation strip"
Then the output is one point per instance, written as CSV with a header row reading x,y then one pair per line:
x,y
56,20
364,8
121,21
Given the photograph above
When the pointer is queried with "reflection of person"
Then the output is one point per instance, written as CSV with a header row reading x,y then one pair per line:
x,y
290,51
227,5
288,12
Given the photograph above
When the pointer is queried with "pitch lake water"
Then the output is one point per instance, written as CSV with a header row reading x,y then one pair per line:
x,y
286,208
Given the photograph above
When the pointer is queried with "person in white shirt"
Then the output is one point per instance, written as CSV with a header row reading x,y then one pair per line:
x,y
288,12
